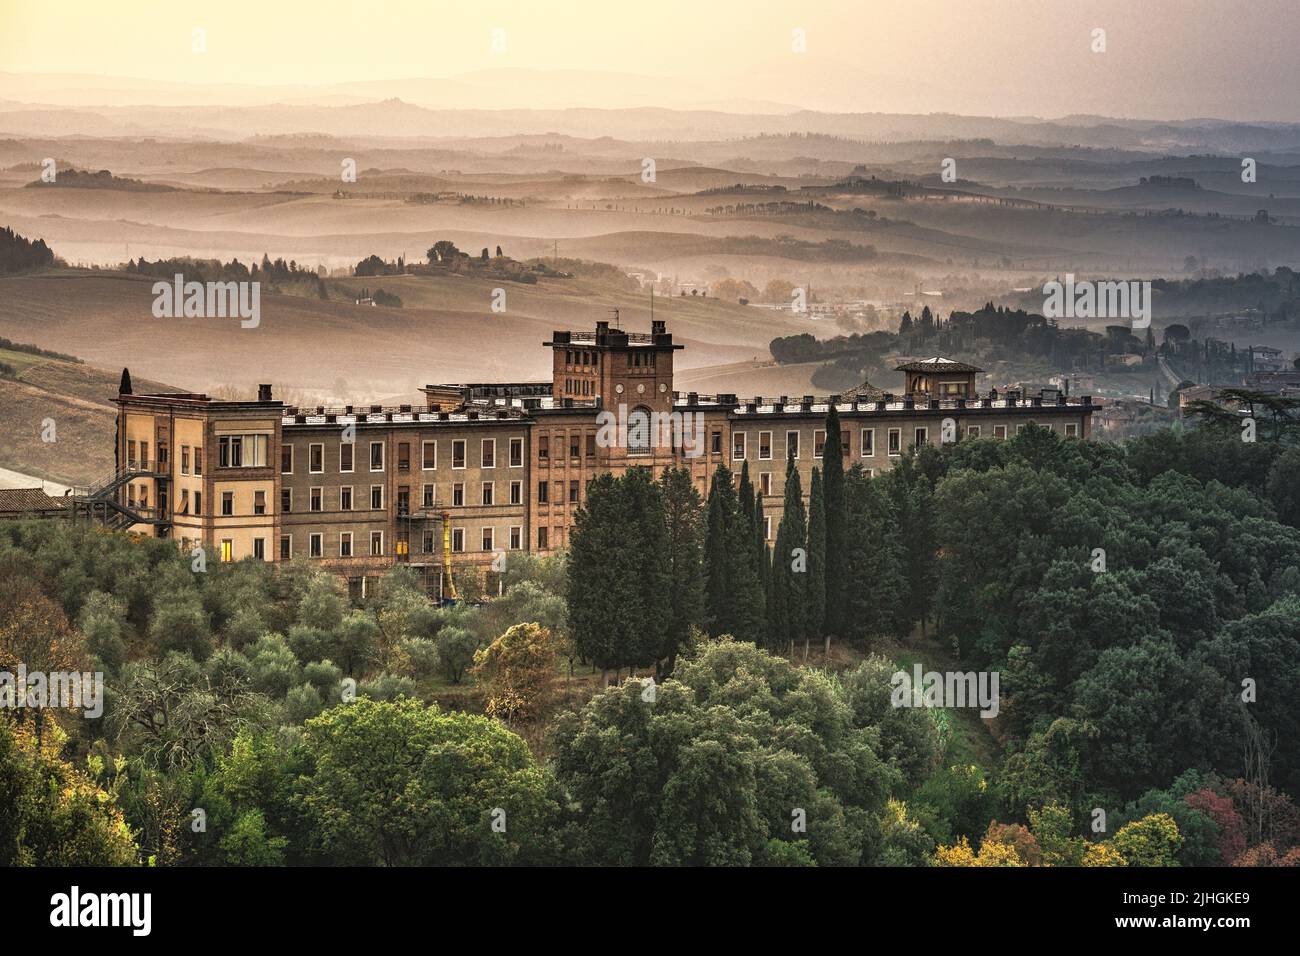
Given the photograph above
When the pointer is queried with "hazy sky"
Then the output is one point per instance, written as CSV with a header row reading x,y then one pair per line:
x,y
1235,59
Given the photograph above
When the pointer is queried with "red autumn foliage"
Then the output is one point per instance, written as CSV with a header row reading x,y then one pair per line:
x,y
1219,808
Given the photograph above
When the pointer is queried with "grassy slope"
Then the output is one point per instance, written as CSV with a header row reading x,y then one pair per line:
x,y
79,400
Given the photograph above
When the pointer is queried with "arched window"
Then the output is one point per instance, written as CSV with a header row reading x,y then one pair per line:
x,y
639,438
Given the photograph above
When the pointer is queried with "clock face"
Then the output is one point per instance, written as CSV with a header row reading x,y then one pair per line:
x,y
619,388
640,389
663,386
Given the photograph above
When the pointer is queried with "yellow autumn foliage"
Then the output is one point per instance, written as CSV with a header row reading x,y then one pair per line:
x,y
1102,854
990,854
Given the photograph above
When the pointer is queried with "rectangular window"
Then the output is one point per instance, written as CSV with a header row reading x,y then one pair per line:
x,y
921,437
345,498
286,500
487,539
286,459
230,451
427,495
1000,431
376,497
819,442
130,454
227,503
198,459
1020,428
402,547
376,456
575,445
573,491
715,443
489,490
542,541
1071,430
458,453
516,492
185,459
198,502
259,502
765,446
241,451
145,463
429,455
767,527
345,544
591,445
458,494
516,537
286,547
458,540
427,541
792,444
516,453
259,548
543,448
765,483
403,456
488,452
346,451
227,549
895,446
376,544
738,446
868,442
972,431
543,492
404,500
317,499
316,460
185,501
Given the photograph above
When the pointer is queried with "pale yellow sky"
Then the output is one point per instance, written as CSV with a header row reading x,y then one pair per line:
x,y
1236,59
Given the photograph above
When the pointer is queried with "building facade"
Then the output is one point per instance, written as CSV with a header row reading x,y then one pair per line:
x,y
452,486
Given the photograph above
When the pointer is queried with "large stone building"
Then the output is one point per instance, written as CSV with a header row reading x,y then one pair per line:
x,y
485,469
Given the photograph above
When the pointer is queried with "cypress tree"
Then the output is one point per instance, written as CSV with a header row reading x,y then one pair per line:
x,y
596,589
833,503
684,519
790,566
745,496
763,563
717,567
911,500
647,564
618,572
816,581
778,613
748,600
874,559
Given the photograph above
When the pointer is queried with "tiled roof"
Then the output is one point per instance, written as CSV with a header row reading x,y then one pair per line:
x,y
937,364
27,499
864,392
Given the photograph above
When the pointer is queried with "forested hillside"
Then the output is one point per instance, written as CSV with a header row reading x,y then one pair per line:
x,y
1141,604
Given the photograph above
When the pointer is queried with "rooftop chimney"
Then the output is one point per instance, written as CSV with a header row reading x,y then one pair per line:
x,y
658,327
264,393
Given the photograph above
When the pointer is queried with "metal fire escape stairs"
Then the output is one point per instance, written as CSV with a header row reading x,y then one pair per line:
x,y
101,500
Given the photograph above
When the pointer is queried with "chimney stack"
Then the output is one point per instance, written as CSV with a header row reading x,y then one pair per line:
x,y
264,393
